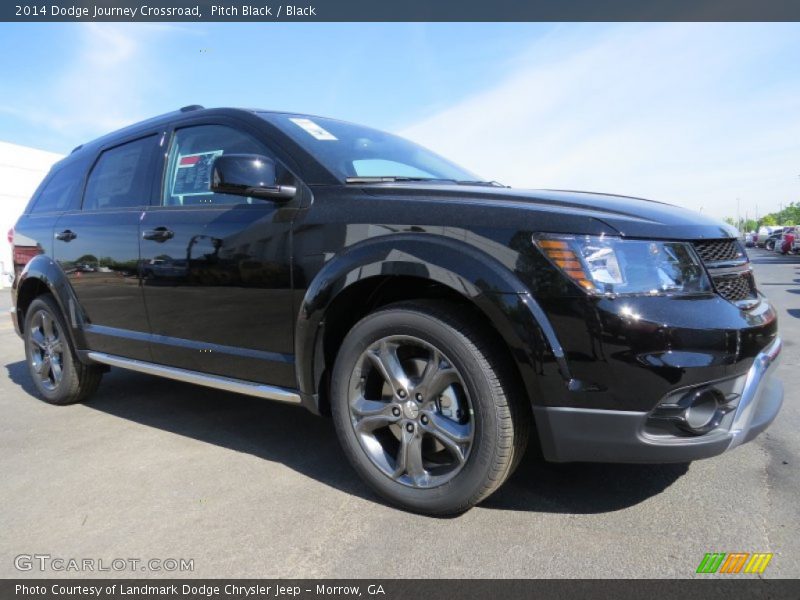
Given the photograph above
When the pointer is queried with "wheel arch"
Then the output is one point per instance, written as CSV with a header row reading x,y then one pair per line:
x,y
42,275
396,268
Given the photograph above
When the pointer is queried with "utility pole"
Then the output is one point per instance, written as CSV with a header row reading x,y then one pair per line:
x,y
738,217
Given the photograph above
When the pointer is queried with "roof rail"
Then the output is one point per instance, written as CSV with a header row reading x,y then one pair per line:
x,y
192,107
76,148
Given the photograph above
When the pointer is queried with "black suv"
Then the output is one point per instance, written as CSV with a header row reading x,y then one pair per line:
x,y
439,319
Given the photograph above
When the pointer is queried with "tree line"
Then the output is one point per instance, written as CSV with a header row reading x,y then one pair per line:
x,y
789,215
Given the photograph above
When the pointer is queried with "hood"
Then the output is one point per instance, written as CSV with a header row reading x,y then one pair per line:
x,y
630,217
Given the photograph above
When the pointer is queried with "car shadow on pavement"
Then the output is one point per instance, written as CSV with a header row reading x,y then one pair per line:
x,y
307,444
582,488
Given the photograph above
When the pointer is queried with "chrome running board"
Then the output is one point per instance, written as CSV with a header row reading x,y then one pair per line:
x,y
249,388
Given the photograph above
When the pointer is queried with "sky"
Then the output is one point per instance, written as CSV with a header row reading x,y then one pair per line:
x,y
705,116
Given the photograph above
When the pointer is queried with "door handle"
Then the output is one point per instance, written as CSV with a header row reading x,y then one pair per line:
x,y
66,236
159,234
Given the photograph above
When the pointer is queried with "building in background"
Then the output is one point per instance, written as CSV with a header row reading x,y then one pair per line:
x,y
21,170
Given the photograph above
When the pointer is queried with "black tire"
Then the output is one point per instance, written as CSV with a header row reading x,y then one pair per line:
x,y
499,416
58,375
770,245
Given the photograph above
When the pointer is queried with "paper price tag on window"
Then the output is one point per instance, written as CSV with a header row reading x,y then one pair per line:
x,y
193,173
315,130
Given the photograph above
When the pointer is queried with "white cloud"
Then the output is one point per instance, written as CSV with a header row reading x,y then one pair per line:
x,y
673,112
102,86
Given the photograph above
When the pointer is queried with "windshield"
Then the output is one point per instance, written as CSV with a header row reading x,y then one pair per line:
x,y
352,151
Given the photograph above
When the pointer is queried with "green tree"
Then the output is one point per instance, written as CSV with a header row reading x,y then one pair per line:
x,y
86,259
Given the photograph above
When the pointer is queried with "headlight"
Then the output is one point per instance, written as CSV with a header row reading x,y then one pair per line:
x,y
610,265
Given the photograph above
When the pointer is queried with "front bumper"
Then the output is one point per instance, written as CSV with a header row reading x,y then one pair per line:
x,y
569,434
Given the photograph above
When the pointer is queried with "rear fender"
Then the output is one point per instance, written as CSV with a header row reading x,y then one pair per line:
x,y
45,270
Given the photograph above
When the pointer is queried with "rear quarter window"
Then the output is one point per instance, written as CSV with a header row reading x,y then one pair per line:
x,y
61,190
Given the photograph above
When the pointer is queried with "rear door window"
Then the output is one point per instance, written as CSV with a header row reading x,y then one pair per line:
x,y
122,176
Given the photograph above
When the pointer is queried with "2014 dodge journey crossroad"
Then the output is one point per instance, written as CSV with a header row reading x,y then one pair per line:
x,y
438,318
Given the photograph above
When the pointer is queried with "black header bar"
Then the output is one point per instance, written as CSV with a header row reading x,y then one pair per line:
x,y
708,588
401,10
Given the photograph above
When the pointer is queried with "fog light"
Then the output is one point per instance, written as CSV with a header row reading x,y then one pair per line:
x,y
704,410
698,411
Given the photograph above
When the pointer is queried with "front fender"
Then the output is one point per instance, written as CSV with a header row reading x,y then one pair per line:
x,y
487,283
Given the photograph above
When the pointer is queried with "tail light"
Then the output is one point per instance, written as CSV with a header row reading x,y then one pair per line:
x,y
22,255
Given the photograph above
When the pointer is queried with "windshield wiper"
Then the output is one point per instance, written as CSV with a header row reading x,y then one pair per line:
x,y
395,178
392,178
488,183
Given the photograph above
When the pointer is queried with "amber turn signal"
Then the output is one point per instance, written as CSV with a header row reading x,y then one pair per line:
x,y
562,256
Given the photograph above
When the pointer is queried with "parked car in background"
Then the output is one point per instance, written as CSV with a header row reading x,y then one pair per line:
x,y
750,239
763,234
785,244
772,240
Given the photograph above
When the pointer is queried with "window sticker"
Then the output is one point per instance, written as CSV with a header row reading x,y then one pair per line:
x,y
314,129
193,173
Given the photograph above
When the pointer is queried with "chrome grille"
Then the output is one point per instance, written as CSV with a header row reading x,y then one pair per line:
x,y
711,251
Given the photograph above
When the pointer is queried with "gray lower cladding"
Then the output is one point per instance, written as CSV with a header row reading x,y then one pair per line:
x,y
249,388
591,435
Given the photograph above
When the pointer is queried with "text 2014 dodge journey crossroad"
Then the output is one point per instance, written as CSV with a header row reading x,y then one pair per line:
x,y
439,319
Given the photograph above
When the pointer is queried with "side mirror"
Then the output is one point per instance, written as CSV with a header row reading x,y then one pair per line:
x,y
248,175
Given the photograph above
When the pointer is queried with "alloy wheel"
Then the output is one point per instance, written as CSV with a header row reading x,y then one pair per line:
x,y
411,411
47,350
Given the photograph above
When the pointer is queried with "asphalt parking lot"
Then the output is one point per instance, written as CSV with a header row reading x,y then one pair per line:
x,y
156,469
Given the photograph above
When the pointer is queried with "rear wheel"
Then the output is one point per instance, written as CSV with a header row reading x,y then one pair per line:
x,y
424,410
59,377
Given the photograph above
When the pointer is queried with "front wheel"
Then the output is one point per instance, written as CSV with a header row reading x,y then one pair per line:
x,y
426,409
